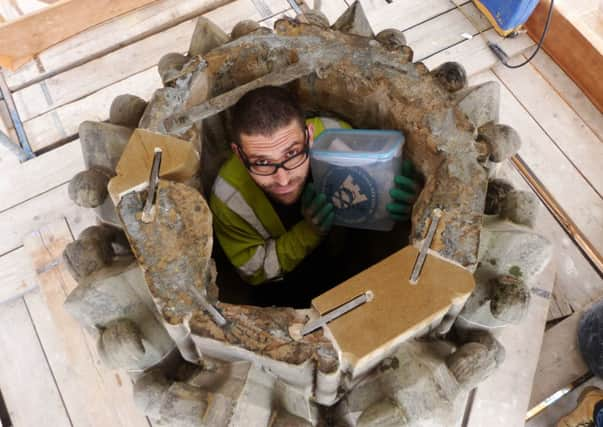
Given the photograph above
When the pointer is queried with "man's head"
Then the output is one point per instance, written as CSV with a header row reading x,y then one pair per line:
x,y
269,129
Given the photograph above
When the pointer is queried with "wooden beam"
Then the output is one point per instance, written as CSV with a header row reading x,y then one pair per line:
x,y
93,394
31,34
571,49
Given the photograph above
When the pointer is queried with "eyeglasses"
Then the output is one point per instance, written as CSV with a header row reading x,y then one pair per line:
x,y
263,168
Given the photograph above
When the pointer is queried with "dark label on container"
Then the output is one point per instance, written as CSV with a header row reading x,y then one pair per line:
x,y
353,192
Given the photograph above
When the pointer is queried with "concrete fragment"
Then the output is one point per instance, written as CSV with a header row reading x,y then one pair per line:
x,y
385,413
354,21
510,298
243,28
498,189
87,255
480,103
121,344
126,110
316,17
521,207
170,66
451,76
502,140
102,144
206,36
163,103
184,405
471,364
149,393
282,418
88,188
391,38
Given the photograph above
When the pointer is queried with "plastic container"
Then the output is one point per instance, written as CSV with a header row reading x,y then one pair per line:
x,y
355,169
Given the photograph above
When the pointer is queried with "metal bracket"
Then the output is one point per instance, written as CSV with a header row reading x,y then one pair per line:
x,y
337,312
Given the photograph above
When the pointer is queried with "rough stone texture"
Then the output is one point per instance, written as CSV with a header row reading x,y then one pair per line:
x,y
496,195
413,388
391,38
121,343
502,140
451,75
471,364
102,144
315,17
481,104
116,298
243,28
88,254
505,249
372,84
354,21
510,298
206,37
126,110
521,207
88,188
170,67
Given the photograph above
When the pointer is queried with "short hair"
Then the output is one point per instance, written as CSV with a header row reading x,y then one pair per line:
x,y
263,111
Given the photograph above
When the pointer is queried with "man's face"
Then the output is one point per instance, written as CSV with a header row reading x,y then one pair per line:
x,y
284,186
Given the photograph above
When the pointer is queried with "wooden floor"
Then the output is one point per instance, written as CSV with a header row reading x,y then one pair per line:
x,y
50,374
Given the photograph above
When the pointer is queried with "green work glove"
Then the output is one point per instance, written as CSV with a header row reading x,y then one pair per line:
x,y
405,192
316,210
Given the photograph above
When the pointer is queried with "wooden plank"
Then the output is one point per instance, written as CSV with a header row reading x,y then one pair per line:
x,y
502,399
570,92
36,176
112,35
332,9
31,34
403,14
27,384
579,144
427,39
17,275
93,395
571,49
475,55
551,166
560,361
99,73
38,211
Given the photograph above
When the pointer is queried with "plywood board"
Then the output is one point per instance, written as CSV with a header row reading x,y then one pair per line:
x,y
179,162
398,310
93,394
111,35
31,34
575,52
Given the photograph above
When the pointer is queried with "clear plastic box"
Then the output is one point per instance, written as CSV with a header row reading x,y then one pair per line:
x,y
355,169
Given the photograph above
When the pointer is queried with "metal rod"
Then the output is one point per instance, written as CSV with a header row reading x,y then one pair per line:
x,y
560,215
420,261
337,312
147,214
15,119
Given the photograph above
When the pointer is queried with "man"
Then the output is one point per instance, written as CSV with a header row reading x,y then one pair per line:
x,y
267,217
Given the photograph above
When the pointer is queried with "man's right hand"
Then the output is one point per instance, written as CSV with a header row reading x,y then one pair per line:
x,y
316,210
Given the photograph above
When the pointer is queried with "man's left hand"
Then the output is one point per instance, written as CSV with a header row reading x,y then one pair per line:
x,y
406,190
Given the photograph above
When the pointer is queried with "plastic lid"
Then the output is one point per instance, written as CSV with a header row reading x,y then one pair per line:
x,y
358,143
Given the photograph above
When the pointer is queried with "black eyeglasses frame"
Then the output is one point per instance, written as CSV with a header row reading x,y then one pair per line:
x,y
303,152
